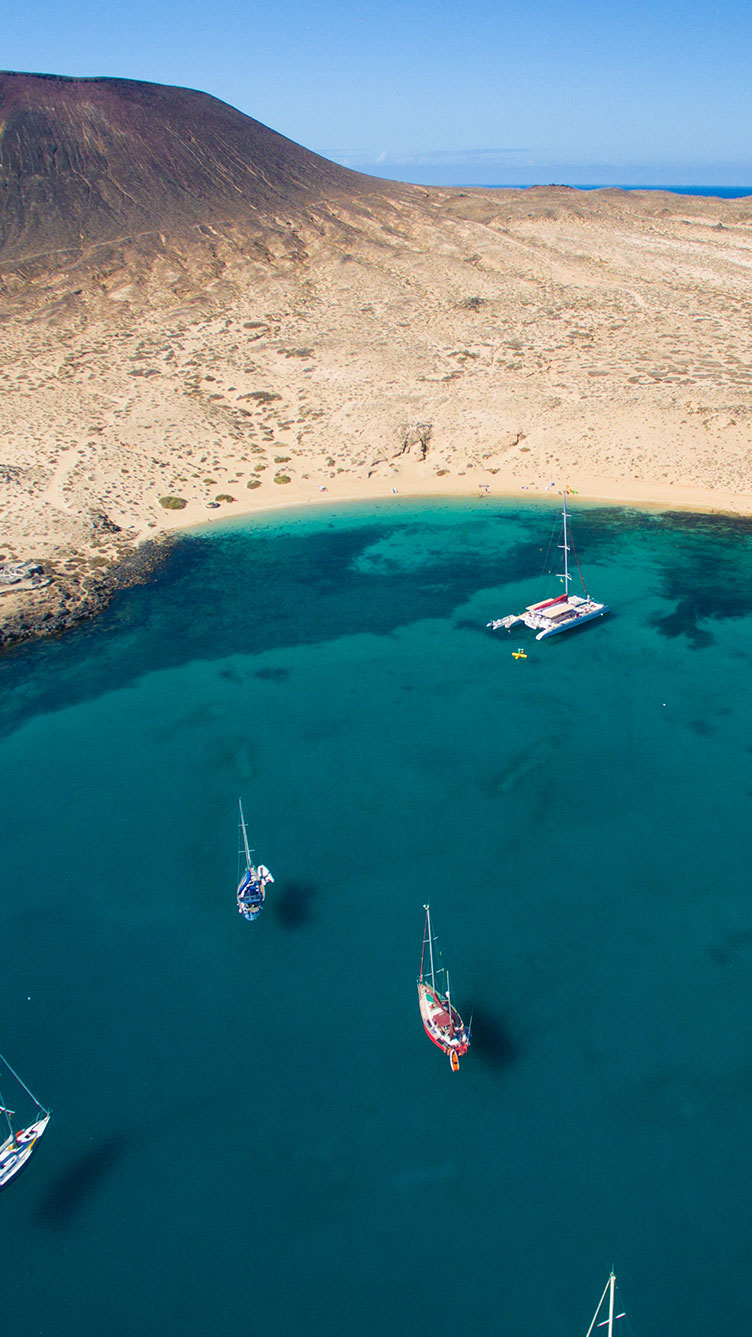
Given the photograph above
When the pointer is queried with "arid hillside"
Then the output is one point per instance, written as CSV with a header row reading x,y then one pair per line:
x,y
90,161
200,318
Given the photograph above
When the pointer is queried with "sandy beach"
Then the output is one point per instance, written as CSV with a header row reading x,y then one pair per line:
x,y
461,342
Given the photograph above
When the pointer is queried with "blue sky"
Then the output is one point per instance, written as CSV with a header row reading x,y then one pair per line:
x,y
456,93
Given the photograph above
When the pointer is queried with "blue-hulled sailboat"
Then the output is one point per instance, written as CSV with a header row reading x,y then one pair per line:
x,y
255,878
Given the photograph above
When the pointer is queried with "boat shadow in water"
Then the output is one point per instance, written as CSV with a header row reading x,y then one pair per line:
x,y
292,903
67,1196
493,1042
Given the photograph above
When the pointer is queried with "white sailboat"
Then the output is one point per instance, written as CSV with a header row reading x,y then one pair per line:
x,y
20,1143
565,611
605,1315
255,878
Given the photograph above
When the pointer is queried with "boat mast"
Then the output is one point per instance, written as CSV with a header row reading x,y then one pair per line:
x,y
609,1290
565,545
612,1284
430,944
245,837
449,1008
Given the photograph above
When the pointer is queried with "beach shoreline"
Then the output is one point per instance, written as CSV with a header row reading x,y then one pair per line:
x,y
447,346
584,489
61,605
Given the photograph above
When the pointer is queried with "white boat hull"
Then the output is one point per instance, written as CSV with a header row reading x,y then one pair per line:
x,y
598,610
582,610
16,1150
549,617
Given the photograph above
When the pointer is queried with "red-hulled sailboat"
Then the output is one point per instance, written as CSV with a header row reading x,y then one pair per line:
x,y
441,1020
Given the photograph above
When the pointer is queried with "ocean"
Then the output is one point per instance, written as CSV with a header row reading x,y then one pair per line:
x,y
718,192
251,1132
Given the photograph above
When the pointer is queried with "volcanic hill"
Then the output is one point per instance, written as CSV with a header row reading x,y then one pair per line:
x,y
86,161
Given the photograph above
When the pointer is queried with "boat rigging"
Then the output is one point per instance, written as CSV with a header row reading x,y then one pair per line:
x,y
441,1020
607,1308
549,617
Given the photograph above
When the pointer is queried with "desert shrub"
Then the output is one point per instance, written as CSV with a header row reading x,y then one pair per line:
x,y
282,478
173,503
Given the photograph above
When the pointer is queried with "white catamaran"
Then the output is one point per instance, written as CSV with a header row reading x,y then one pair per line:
x,y
19,1145
605,1315
562,613
254,880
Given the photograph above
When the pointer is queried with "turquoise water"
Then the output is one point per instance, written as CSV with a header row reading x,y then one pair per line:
x,y
251,1133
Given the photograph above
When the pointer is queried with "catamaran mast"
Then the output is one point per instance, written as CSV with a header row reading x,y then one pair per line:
x,y
430,944
245,837
565,574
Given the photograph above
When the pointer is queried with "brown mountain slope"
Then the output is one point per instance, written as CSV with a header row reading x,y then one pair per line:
x,y
84,161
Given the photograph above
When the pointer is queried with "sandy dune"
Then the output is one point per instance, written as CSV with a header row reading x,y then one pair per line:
x,y
447,342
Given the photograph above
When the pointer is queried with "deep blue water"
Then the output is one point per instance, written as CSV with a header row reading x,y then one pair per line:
x,y
719,192
251,1132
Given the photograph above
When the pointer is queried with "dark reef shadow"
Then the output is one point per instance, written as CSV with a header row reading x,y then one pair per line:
x,y
683,622
292,903
730,948
66,1197
468,624
492,1040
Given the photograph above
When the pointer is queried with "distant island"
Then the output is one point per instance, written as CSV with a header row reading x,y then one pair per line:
x,y
202,318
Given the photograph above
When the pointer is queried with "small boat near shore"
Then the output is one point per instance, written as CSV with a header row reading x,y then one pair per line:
x,y
562,613
20,1144
605,1315
255,877
441,1020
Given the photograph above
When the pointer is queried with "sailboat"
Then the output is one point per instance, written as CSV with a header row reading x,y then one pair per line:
x,y
565,611
441,1020
255,878
20,1143
604,1316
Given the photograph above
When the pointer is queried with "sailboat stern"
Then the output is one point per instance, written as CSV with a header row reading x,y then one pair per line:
x,y
442,1023
252,891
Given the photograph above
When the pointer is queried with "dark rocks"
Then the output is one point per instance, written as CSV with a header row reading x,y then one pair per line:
x,y
101,522
71,597
416,434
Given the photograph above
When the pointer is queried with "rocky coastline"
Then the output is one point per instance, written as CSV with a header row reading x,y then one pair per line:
x,y
76,586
